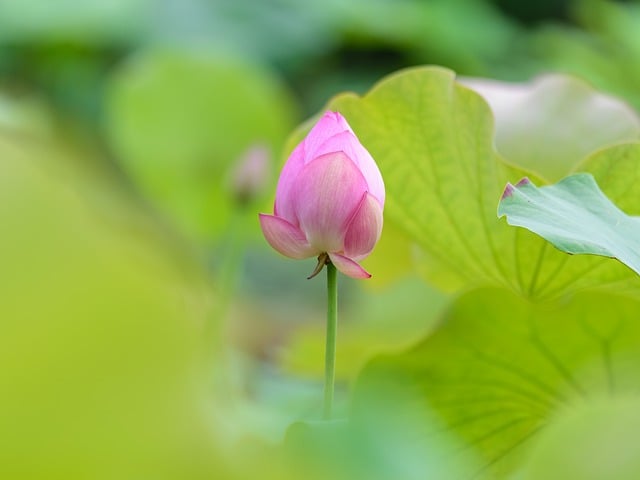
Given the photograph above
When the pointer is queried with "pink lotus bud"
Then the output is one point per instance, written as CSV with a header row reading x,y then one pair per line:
x,y
329,199
250,174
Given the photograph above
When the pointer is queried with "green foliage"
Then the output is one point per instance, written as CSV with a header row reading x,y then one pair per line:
x,y
549,125
499,368
180,119
509,357
383,322
591,441
94,22
527,371
376,445
575,216
596,48
102,334
433,141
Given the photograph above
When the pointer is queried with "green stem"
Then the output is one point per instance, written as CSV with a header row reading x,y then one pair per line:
x,y
332,327
228,271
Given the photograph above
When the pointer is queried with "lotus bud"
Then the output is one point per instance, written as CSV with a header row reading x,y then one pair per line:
x,y
250,174
329,200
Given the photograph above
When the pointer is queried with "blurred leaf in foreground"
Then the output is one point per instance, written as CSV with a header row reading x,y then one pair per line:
x,y
378,443
597,440
101,346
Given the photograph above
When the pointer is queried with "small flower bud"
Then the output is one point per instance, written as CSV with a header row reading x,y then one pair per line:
x,y
250,175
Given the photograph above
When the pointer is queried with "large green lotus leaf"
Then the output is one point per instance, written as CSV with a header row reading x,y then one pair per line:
x,y
617,171
392,259
499,368
550,124
575,216
178,120
433,141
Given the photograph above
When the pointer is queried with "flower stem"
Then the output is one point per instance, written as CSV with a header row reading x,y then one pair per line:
x,y
330,351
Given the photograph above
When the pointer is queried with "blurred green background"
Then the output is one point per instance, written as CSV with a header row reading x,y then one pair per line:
x,y
147,329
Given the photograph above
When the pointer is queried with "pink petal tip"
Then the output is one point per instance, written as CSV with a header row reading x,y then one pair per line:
x,y
348,267
508,191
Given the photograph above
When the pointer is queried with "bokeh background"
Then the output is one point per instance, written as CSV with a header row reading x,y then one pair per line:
x,y
147,329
